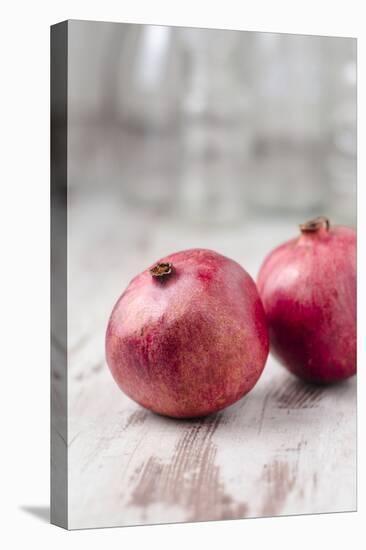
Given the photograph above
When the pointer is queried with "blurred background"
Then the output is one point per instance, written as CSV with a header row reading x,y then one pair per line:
x,y
213,127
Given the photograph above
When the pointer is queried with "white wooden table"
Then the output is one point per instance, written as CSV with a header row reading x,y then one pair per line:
x,y
285,448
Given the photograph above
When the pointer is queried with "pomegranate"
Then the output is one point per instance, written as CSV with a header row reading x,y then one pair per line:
x,y
308,289
188,336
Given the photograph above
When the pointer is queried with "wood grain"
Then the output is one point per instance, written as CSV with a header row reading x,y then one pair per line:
x,y
285,448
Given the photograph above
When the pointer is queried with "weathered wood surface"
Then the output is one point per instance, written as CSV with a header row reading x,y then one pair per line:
x,y
285,448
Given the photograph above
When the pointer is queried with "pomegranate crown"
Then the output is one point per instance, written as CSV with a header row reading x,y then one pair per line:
x,y
161,270
314,225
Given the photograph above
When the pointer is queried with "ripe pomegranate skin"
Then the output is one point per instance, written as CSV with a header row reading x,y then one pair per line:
x,y
191,341
308,289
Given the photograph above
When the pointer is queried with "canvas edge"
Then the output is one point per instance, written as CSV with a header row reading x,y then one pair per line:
x,y
58,255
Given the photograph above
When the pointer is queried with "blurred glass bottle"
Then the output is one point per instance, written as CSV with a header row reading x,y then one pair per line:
x,y
215,128
288,166
148,91
342,128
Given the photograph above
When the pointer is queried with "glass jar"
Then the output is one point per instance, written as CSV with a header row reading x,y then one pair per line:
x,y
215,127
288,173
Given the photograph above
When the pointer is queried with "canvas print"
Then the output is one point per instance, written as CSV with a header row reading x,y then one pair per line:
x,y
203,212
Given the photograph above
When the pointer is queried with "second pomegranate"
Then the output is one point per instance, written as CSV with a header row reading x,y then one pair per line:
x,y
308,288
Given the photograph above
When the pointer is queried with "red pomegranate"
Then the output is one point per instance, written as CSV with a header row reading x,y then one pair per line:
x,y
188,336
308,289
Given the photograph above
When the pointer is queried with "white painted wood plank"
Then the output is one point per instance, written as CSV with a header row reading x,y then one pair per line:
x,y
285,448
